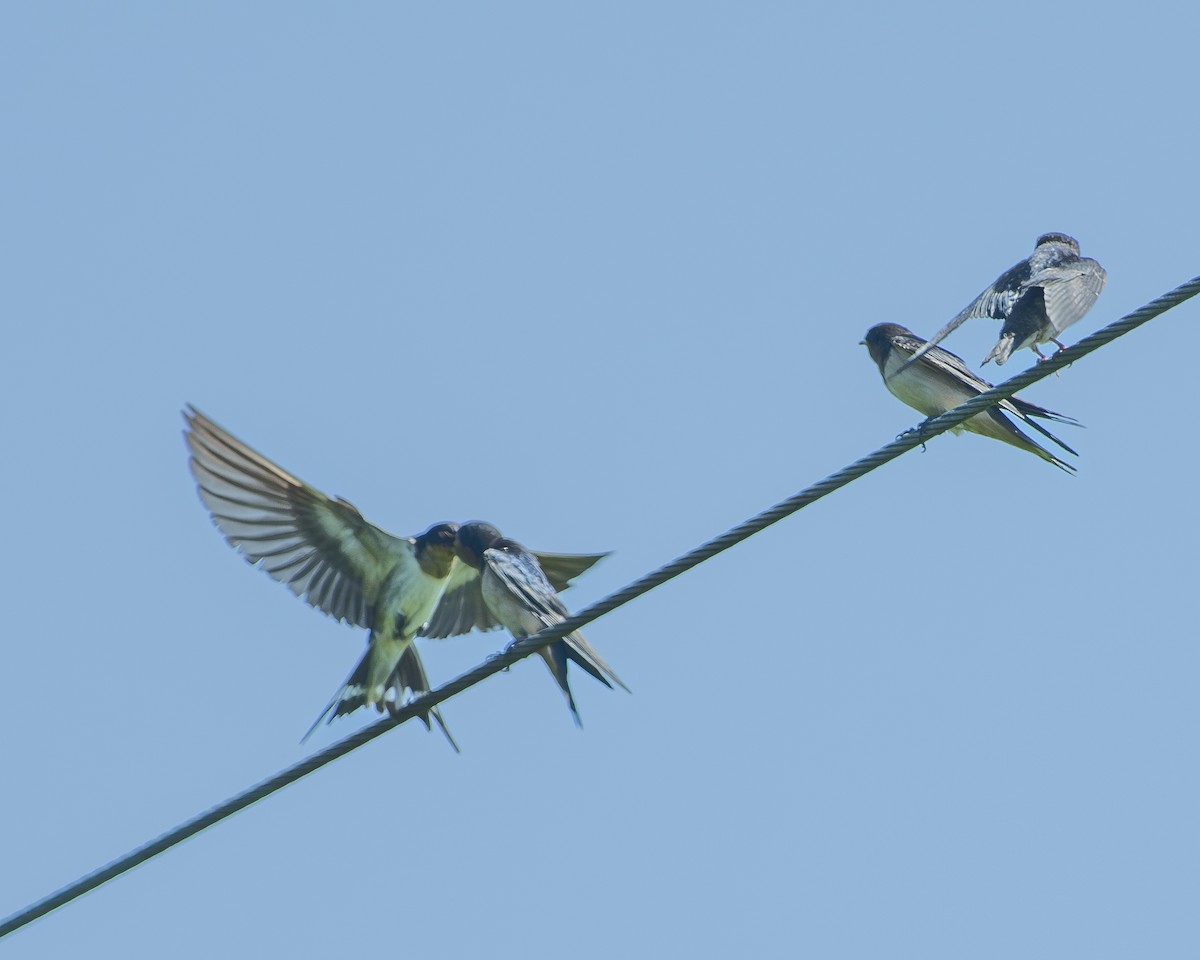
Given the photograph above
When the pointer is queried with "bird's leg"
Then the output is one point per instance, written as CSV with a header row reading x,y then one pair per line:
x,y
919,430
511,643
1042,359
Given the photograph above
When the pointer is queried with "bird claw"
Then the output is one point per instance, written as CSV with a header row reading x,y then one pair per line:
x,y
498,655
919,430
1061,348
1042,359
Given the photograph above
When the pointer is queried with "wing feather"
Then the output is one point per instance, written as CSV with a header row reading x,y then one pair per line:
x,y
1071,291
461,608
321,547
561,568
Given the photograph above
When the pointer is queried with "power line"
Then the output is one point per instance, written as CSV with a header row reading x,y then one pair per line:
x,y
517,651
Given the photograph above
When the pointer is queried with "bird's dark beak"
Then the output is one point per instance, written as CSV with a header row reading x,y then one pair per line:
x,y
862,343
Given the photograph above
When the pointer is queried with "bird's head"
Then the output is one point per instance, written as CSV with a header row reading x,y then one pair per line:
x,y
878,340
1060,239
435,549
473,539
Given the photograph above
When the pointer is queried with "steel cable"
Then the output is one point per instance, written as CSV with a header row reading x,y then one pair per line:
x,y
523,648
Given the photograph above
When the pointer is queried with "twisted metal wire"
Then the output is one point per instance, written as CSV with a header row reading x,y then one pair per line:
x,y
523,648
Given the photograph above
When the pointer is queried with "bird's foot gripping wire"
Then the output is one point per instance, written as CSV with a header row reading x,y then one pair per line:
x,y
919,430
498,654
1061,348
1042,358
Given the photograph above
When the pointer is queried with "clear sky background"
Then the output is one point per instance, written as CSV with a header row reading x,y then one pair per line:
x,y
598,274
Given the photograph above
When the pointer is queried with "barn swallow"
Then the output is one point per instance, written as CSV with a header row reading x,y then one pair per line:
x,y
462,607
1037,298
499,582
939,381
326,553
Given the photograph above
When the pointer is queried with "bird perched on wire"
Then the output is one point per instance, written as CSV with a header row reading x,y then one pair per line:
x,y
936,381
326,553
499,582
1037,298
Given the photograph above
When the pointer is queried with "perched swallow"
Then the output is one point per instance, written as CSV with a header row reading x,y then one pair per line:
x,y
499,582
326,553
939,381
1037,299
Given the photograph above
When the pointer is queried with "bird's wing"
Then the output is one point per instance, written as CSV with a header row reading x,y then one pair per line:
x,y
524,580
995,302
941,362
461,608
321,548
561,568
1071,290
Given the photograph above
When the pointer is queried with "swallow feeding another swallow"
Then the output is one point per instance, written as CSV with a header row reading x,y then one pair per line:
x,y
499,582
939,381
325,552
1037,298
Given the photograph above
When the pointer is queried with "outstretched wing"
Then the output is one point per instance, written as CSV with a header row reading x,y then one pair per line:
x,y
995,302
321,548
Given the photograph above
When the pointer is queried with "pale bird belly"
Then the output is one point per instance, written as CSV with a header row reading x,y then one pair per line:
x,y
928,395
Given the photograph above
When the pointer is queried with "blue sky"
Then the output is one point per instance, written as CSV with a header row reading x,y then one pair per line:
x,y
598,274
